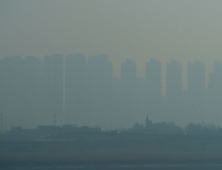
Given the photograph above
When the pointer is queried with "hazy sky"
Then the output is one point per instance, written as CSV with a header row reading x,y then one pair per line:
x,y
185,30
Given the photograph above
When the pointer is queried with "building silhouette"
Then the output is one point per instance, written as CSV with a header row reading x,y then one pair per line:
x,y
100,76
12,89
214,95
155,102
117,115
128,90
173,90
196,91
141,100
20,90
76,97
53,65
31,95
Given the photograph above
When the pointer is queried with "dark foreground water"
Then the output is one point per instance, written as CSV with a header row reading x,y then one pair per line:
x,y
200,165
169,167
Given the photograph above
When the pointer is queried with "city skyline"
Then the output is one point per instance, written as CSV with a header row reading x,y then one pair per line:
x,y
34,90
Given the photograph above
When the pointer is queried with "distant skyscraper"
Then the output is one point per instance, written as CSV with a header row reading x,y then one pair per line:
x,y
196,91
141,100
12,90
46,117
128,71
196,78
214,95
173,90
100,90
76,98
153,77
128,90
117,116
32,89
54,79
154,98
20,91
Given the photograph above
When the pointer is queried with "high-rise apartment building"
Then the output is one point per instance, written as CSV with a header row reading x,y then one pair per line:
x,y
128,91
154,98
196,91
173,90
100,78
214,95
53,65
76,97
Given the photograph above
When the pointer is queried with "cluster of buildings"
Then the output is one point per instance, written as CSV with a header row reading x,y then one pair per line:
x,y
68,131
43,132
84,92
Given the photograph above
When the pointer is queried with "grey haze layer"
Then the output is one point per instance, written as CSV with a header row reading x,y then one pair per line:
x,y
32,92
140,30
